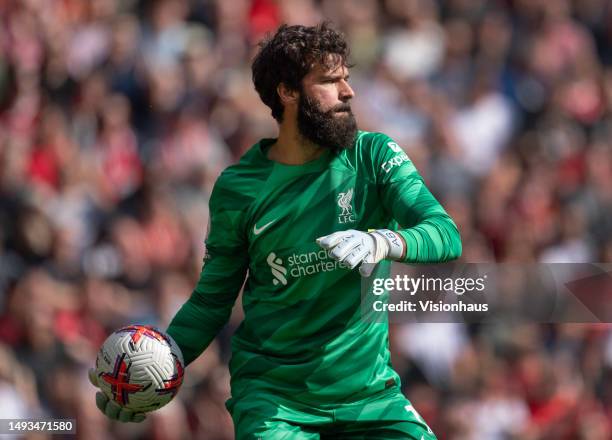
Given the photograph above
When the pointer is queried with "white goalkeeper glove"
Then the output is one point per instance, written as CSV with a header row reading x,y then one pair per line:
x,y
352,248
111,409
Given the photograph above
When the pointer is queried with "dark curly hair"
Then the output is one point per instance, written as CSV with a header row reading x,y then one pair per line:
x,y
288,55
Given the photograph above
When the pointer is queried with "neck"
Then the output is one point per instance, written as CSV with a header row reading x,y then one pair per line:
x,y
291,148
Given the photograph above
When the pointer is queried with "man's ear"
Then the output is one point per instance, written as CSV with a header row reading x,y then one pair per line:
x,y
287,95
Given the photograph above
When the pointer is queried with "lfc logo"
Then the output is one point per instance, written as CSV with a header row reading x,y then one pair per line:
x,y
345,202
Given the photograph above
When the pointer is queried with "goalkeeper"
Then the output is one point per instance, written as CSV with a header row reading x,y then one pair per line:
x,y
295,214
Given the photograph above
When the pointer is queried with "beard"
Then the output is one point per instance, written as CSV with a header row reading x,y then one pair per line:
x,y
334,129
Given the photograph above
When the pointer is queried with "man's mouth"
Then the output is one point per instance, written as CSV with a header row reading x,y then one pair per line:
x,y
342,108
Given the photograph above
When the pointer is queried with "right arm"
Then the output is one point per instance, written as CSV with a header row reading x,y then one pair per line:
x,y
201,318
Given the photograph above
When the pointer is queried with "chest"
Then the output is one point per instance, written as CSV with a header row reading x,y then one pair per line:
x,y
290,213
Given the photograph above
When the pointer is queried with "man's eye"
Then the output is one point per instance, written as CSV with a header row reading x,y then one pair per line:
x,y
333,80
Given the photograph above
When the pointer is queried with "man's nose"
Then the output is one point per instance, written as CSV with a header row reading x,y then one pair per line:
x,y
346,91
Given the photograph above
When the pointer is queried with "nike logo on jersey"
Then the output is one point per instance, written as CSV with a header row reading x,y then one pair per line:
x,y
258,231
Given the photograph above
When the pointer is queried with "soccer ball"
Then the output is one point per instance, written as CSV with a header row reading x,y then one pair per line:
x,y
140,368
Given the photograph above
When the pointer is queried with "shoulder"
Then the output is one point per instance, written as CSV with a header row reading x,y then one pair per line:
x,y
371,146
375,144
238,184
378,157
370,151
371,138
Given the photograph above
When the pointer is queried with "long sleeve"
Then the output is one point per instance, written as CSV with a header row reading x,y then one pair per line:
x,y
208,309
430,234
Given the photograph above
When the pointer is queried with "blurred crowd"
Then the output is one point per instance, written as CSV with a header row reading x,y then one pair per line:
x,y
116,117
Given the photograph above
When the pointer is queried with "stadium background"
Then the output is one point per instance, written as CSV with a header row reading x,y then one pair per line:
x,y
117,116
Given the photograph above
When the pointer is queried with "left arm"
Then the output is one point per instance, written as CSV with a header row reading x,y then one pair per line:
x,y
429,235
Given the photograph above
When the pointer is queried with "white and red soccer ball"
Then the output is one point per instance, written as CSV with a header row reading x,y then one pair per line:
x,y
140,368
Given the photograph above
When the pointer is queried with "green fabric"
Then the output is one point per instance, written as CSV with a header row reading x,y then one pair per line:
x,y
302,335
388,415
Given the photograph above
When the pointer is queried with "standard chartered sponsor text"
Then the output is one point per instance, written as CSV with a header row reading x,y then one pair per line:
x,y
310,263
298,265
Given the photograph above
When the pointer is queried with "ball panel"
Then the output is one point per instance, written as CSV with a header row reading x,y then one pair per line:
x,y
140,368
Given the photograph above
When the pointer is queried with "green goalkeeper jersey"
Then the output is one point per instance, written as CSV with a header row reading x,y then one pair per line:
x,y
302,336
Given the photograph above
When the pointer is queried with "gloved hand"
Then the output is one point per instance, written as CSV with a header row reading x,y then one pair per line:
x,y
111,409
352,248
